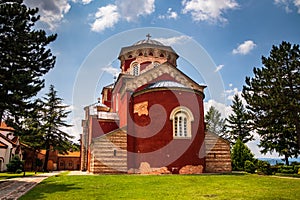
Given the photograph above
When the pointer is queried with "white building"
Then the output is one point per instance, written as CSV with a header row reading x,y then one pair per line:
x,y
9,146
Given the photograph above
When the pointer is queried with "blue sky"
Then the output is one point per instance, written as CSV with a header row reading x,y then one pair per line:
x,y
230,35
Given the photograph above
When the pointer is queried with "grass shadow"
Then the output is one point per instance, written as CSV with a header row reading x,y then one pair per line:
x,y
42,190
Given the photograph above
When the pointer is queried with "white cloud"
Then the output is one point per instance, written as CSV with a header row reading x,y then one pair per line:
x,y
287,4
222,108
244,48
297,4
169,15
208,10
84,2
52,11
284,3
174,40
130,10
219,67
105,17
110,70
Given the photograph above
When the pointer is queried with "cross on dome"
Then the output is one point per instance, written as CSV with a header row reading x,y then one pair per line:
x,y
148,36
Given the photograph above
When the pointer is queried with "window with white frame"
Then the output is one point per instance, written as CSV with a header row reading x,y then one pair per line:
x,y
182,118
135,69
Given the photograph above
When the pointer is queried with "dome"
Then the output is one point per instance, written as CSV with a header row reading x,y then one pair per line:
x,y
163,84
146,44
148,41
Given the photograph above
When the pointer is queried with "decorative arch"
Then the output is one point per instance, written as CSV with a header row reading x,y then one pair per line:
x,y
135,68
182,119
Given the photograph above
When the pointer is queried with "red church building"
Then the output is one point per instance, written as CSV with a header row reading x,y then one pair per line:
x,y
151,118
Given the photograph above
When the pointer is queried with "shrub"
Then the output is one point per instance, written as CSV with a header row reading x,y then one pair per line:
x,y
286,169
263,168
249,167
16,164
239,154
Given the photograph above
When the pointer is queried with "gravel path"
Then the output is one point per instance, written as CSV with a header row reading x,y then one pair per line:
x,y
11,189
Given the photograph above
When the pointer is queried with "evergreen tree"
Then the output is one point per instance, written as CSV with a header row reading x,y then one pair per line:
x,y
214,122
31,131
237,125
273,100
24,58
54,119
240,154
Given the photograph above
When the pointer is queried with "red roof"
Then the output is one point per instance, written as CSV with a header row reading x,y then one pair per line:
x,y
70,154
2,145
3,126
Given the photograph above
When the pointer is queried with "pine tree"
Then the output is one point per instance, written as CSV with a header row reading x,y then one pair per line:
x,y
215,123
24,58
31,131
54,119
273,97
238,126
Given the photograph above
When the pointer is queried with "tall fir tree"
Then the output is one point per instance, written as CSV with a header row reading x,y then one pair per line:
x,y
215,123
54,119
273,97
24,58
238,126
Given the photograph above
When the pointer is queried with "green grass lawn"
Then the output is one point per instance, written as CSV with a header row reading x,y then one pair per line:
x,y
4,175
166,187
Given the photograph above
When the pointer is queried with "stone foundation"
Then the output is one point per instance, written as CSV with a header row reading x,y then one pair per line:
x,y
190,169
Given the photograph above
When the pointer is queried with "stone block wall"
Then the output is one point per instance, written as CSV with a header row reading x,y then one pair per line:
x,y
217,158
109,153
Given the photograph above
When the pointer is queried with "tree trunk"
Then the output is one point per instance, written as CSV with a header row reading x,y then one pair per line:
x,y
286,158
297,130
45,167
33,166
1,115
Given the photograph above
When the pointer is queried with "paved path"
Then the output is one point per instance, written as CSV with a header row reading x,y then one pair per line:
x,y
11,189
74,173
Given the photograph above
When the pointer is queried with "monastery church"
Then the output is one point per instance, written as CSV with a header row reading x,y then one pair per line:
x,y
151,120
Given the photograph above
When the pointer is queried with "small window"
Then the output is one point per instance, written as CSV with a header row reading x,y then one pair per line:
x,y
162,55
135,69
150,54
115,152
70,164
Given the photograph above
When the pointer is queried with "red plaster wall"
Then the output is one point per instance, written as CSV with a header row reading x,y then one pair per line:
x,y
157,147
107,126
144,65
127,64
107,97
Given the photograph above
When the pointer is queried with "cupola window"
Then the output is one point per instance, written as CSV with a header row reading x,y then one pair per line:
x,y
135,69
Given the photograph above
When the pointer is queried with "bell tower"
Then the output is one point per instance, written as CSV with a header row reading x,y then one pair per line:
x,y
145,55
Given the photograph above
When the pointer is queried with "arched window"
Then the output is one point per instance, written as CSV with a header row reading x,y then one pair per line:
x,y
182,118
135,69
